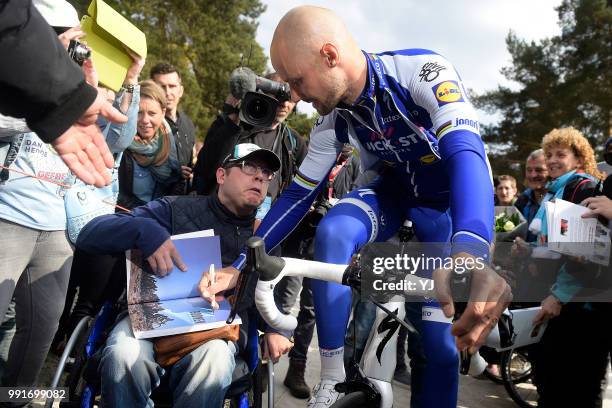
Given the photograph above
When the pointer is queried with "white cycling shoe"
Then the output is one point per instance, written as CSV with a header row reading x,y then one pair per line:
x,y
324,394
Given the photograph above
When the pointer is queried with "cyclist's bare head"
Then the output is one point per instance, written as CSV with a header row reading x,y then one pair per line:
x,y
313,51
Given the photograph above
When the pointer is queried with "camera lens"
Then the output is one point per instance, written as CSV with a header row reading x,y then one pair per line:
x,y
82,52
258,109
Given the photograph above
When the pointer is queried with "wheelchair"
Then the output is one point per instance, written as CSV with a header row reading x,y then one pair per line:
x,y
78,372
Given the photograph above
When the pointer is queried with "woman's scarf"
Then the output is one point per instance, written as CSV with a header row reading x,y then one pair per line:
x,y
158,155
555,188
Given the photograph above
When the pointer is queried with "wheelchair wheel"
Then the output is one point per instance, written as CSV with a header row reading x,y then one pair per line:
x,y
517,371
75,382
70,354
357,399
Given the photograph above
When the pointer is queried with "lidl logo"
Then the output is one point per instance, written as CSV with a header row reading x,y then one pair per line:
x,y
447,92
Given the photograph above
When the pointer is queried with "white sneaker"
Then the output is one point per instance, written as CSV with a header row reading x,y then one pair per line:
x,y
324,394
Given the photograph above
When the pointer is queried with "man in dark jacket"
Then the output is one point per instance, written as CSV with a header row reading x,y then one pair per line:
x,y
168,78
56,101
529,200
128,369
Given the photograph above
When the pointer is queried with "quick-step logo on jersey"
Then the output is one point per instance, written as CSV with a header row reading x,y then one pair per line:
x,y
447,92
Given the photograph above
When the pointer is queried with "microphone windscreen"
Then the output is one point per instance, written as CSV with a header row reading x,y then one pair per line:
x,y
243,80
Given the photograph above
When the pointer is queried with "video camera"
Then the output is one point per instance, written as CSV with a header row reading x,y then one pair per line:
x,y
257,107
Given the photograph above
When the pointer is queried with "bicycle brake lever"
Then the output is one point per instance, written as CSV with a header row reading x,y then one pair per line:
x,y
352,274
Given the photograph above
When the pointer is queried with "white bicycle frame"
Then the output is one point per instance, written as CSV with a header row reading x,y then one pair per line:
x,y
378,366
379,372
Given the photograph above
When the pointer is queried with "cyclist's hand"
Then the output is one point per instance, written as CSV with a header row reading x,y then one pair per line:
x,y
164,258
551,307
489,297
225,278
276,346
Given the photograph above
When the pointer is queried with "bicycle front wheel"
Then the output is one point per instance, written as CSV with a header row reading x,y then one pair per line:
x,y
517,375
357,399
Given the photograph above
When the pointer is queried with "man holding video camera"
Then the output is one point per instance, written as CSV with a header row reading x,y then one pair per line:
x,y
228,130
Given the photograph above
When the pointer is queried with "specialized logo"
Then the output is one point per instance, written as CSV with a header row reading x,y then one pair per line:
x,y
390,324
447,92
428,159
430,71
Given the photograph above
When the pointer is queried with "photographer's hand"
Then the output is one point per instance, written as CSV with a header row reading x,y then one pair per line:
x,y
73,33
230,100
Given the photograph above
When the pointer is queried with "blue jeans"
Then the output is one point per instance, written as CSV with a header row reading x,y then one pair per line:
x,y
129,372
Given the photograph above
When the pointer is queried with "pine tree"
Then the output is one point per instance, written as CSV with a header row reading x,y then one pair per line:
x,y
562,81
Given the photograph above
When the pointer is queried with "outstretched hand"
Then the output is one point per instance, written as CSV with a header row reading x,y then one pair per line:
x,y
164,258
83,147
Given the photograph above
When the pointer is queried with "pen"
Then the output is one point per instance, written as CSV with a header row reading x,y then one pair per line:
x,y
211,281
211,274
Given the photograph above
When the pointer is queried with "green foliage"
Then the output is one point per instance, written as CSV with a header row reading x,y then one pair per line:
x,y
204,39
563,81
302,123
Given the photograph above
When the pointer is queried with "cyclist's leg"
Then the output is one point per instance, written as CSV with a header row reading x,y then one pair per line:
x,y
441,373
355,220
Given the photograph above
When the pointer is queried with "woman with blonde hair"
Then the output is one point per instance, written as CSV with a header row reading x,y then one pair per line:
x,y
150,167
572,355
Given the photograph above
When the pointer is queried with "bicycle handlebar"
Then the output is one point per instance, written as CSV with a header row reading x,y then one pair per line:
x,y
272,269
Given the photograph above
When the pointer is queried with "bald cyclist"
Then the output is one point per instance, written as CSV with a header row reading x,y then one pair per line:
x,y
408,112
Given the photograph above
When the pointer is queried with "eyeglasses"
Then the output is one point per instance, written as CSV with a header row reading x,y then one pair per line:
x,y
252,169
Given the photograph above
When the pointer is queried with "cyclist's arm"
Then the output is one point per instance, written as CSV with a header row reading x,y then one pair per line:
x,y
294,202
456,126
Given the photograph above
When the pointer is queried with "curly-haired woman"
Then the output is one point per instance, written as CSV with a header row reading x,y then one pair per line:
x,y
571,359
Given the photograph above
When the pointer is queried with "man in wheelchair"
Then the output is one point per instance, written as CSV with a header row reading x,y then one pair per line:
x,y
128,369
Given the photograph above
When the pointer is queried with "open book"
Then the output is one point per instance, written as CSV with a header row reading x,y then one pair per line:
x,y
172,304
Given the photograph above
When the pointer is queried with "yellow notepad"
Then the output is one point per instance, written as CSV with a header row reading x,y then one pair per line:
x,y
107,32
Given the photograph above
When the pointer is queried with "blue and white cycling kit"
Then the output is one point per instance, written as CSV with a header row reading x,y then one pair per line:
x,y
414,116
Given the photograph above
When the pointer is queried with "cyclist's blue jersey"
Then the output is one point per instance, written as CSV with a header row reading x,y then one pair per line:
x,y
414,115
